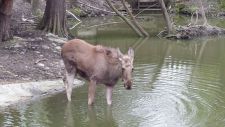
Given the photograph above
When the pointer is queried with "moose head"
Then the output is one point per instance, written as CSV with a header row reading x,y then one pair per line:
x,y
127,67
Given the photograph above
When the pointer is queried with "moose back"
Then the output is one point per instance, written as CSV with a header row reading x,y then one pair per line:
x,y
98,65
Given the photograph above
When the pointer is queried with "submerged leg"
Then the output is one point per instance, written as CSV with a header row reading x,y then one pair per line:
x,y
69,84
109,90
91,92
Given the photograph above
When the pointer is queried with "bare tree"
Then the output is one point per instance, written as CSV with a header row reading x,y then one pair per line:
x,y
166,16
139,33
141,29
54,19
5,17
202,12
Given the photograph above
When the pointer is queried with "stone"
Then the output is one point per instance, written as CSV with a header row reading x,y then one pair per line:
x,y
40,64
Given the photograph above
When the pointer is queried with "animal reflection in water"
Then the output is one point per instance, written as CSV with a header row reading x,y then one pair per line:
x,y
98,65
93,120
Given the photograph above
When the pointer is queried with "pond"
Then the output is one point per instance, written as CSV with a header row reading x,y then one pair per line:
x,y
176,84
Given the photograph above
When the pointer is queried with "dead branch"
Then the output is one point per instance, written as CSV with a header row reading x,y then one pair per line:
x,y
145,9
73,15
125,19
203,13
76,24
95,7
141,29
104,24
166,16
196,20
39,60
191,22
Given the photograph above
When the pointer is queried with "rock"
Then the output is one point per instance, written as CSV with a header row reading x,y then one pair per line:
x,y
39,38
55,38
58,48
31,39
221,14
37,52
61,63
45,47
46,68
40,64
54,44
18,38
17,45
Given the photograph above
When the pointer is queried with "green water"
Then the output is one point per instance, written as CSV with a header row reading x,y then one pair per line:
x,y
176,84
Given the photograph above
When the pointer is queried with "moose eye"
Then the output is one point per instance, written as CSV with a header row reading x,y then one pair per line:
x,y
132,69
123,69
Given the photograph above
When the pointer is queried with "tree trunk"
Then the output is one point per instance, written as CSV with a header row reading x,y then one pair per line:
x,y
125,19
203,12
5,17
134,20
166,16
54,19
35,6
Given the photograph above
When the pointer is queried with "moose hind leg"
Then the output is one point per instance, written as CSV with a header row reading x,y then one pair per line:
x,y
69,83
70,72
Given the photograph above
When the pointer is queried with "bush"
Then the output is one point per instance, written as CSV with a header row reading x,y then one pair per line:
x,y
222,4
185,9
76,11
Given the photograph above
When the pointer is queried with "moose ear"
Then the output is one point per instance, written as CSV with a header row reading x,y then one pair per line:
x,y
119,53
131,52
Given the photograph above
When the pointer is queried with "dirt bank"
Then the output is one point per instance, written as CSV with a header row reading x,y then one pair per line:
x,y
32,56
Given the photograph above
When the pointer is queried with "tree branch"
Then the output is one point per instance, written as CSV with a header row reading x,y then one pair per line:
x,y
95,7
73,15
125,19
134,20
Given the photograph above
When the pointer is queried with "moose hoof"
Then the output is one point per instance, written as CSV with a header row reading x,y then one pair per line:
x,y
109,103
90,102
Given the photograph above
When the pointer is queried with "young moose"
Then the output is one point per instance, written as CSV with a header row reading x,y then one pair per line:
x,y
98,65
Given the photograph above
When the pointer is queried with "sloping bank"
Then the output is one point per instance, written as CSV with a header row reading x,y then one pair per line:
x,y
20,92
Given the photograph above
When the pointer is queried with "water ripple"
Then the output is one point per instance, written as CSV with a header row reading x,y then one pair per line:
x,y
171,100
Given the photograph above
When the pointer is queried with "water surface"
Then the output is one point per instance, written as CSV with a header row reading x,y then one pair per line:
x,y
176,84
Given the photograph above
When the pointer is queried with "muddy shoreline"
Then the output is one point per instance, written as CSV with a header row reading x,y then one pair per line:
x,y
15,93
30,67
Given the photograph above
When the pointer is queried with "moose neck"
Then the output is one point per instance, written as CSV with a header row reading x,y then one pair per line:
x,y
114,71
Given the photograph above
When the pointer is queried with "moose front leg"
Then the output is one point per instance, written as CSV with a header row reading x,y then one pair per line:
x,y
91,92
109,90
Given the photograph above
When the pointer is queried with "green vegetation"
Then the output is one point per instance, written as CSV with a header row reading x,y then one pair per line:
x,y
185,9
76,11
222,4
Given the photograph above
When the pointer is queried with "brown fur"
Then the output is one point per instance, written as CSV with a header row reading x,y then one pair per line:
x,y
97,64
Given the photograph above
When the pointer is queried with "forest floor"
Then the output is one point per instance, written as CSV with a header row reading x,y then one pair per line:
x,y
31,56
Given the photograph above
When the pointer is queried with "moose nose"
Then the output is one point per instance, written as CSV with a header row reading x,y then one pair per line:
x,y
128,85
